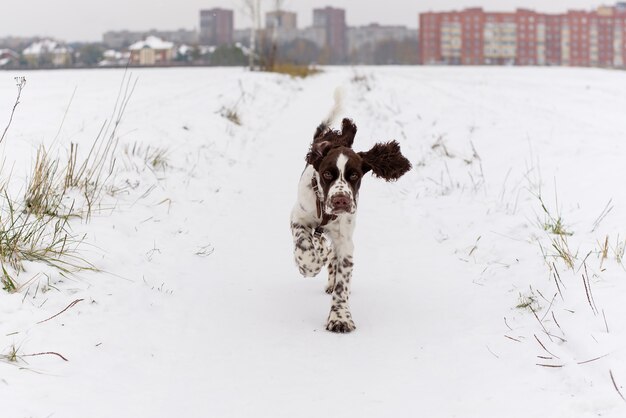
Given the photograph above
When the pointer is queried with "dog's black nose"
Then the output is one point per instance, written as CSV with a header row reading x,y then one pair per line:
x,y
340,202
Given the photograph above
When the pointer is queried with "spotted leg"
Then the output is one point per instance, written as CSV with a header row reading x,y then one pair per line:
x,y
332,274
340,318
311,252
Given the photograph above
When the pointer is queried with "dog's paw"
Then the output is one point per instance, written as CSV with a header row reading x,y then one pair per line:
x,y
340,322
342,326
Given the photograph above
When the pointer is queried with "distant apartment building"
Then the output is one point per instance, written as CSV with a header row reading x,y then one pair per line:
x,y
327,32
241,36
333,24
364,42
282,25
338,43
281,19
151,51
359,36
216,27
124,38
314,34
576,38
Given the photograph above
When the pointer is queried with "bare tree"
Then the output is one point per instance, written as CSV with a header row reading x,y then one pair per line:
x,y
278,4
252,8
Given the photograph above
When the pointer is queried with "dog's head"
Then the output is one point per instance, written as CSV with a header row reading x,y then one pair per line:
x,y
341,169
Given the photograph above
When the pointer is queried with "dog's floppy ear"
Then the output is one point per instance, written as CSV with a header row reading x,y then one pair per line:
x,y
348,131
317,153
386,161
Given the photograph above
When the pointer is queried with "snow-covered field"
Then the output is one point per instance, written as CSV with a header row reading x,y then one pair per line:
x,y
463,306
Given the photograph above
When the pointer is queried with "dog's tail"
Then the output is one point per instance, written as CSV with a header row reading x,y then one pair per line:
x,y
334,113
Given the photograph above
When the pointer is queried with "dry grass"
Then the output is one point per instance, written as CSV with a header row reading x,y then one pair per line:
x,y
7,281
43,195
556,227
604,251
294,70
95,170
528,301
47,239
12,355
558,235
230,113
155,158
37,229
562,251
553,224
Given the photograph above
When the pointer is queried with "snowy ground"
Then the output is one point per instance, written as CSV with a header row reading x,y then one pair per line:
x,y
199,310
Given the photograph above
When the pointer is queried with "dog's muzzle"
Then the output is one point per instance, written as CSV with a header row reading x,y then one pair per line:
x,y
341,203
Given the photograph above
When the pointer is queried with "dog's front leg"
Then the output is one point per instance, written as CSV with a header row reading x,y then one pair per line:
x,y
310,252
340,318
332,273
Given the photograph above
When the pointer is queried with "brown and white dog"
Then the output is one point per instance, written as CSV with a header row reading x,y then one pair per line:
x,y
323,218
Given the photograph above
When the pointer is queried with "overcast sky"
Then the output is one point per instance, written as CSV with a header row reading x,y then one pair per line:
x,y
87,20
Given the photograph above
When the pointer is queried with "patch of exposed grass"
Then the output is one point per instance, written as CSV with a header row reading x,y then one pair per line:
x,y
294,70
558,236
528,301
43,195
12,355
38,229
553,224
231,114
556,227
156,158
561,246
7,281
45,239
91,176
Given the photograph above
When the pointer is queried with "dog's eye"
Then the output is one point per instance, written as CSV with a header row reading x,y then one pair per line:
x,y
327,175
354,176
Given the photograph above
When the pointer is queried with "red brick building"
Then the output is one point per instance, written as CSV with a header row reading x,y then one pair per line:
x,y
525,37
